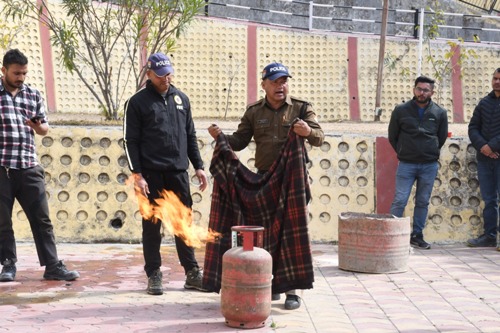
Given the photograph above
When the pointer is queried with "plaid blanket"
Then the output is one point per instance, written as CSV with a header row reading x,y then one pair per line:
x,y
276,200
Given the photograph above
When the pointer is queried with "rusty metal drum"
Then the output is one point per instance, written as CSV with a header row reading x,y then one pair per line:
x,y
246,280
373,243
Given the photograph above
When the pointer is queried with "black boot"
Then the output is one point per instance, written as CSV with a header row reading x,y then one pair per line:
x,y
8,271
58,271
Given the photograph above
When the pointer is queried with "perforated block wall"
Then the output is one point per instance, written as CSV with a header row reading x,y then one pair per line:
x,y
455,209
318,65
86,174
28,41
211,67
477,74
91,201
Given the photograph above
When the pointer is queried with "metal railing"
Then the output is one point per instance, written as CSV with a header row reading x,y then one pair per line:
x,y
308,15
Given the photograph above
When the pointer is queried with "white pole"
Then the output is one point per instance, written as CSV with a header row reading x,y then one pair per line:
x,y
311,8
381,53
420,40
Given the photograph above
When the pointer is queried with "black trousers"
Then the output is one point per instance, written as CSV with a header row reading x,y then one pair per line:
x,y
177,182
28,187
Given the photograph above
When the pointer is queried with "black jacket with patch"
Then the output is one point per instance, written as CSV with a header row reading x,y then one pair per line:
x,y
159,132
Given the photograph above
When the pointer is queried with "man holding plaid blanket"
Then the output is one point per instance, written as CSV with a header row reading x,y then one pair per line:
x,y
277,196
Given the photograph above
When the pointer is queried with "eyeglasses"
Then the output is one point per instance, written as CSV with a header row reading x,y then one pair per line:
x,y
425,91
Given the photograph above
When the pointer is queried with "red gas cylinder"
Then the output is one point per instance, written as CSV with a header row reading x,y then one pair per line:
x,y
246,280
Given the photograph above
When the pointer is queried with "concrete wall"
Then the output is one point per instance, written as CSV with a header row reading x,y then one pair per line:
x,y
86,177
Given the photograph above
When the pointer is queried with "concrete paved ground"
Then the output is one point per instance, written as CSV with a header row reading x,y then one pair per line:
x,y
446,289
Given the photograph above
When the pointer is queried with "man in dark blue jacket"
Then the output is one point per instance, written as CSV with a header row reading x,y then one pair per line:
x,y
160,141
417,131
484,134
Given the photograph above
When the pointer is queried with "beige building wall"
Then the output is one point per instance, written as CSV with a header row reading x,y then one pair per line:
x,y
211,68
318,66
477,73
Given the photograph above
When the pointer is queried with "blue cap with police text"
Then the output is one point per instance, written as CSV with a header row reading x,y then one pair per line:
x,y
274,71
160,64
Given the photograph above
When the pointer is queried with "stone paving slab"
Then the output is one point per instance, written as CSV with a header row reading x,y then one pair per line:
x,y
449,288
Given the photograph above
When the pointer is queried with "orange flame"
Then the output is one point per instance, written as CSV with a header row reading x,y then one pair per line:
x,y
175,217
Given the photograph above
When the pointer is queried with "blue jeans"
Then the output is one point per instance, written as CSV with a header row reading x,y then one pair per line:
x,y
488,173
407,173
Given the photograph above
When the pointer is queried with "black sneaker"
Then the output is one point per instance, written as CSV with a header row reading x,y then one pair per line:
x,y
58,271
275,297
194,278
418,242
155,286
8,271
482,241
292,302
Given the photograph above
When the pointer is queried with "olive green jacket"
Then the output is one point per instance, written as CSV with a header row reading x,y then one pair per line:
x,y
270,128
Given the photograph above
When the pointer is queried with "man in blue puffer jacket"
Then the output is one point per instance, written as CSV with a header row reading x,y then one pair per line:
x,y
484,134
417,131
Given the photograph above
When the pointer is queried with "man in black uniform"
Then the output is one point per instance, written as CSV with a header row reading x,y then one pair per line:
x,y
160,140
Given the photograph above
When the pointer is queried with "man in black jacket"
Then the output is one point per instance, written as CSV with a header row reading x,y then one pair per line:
x,y
160,141
417,131
484,134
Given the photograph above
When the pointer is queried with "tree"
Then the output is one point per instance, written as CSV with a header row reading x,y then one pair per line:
x,y
92,32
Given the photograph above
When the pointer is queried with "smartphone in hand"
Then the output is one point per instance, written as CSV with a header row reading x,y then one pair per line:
x,y
37,118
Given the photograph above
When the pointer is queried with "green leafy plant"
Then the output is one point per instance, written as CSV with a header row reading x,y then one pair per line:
x,y
8,32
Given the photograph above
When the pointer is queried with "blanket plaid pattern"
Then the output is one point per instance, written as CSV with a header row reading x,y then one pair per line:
x,y
276,200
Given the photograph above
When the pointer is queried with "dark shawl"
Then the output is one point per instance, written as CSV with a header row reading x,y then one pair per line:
x,y
276,200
